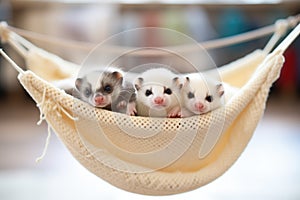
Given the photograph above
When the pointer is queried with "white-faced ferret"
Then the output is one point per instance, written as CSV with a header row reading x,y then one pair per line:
x,y
201,95
106,89
158,93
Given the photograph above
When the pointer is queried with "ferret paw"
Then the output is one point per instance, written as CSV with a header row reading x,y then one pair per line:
x,y
131,109
175,113
121,105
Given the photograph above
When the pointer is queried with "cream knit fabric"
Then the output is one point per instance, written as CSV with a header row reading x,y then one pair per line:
x,y
161,156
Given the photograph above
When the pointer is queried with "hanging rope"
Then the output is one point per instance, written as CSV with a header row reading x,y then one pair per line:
x,y
279,28
19,69
289,39
86,46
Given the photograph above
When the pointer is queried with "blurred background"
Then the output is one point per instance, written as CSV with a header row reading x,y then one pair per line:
x,y
268,169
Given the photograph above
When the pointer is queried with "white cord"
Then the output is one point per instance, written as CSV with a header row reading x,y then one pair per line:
x,y
288,40
279,28
19,69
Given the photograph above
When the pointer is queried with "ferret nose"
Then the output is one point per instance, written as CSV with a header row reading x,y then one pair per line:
x,y
99,99
158,100
199,106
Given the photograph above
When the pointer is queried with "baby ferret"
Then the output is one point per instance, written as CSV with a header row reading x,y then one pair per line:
x,y
201,95
106,89
158,93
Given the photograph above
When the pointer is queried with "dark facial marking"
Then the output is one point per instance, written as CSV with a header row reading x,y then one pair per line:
x,y
87,92
148,93
109,82
190,95
107,89
114,78
209,98
168,91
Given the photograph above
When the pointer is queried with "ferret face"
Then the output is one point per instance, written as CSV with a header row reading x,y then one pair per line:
x,y
200,96
157,95
99,88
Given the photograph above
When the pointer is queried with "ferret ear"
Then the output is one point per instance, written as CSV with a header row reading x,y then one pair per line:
x,y
220,89
78,83
187,80
177,83
138,83
118,75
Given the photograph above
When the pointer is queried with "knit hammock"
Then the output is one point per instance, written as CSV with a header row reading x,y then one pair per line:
x,y
154,156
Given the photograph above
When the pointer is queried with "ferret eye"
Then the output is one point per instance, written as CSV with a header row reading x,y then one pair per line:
x,y
148,93
209,98
87,92
191,95
107,88
168,91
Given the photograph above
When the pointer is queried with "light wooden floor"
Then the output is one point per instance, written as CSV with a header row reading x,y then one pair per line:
x,y
268,169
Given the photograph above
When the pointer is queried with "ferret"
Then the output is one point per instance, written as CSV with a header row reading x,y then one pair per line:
x,y
201,95
106,89
158,93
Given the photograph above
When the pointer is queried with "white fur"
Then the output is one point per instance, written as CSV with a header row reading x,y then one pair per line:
x,y
157,80
201,87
